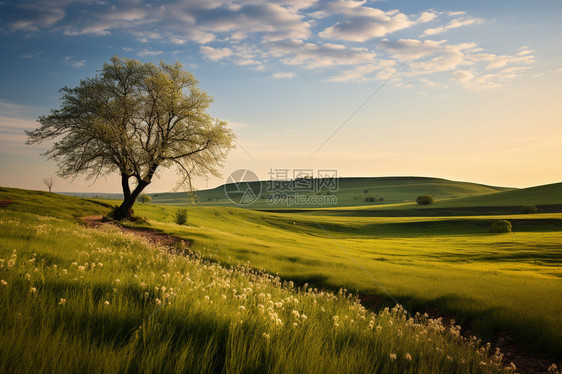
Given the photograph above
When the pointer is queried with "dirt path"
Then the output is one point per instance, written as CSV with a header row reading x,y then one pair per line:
x,y
527,362
152,235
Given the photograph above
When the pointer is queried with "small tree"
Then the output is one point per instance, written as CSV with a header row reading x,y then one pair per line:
x,y
424,200
144,198
135,119
181,216
501,226
49,183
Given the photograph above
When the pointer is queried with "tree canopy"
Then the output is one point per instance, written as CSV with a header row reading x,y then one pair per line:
x,y
135,118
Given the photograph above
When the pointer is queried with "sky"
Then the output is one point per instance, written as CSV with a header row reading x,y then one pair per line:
x,y
462,90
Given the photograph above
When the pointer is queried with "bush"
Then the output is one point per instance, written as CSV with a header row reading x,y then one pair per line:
x,y
370,199
144,198
501,226
181,216
528,209
424,200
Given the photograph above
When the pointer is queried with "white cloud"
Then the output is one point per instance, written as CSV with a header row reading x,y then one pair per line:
x,y
426,17
428,83
282,75
34,16
362,22
215,54
145,52
381,69
476,82
310,55
456,23
463,76
74,63
258,34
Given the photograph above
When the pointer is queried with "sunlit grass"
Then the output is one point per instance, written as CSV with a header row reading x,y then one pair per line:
x,y
495,282
75,299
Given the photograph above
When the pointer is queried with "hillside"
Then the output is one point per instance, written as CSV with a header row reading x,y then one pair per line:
x,y
90,300
50,204
350,192
548,198
539,195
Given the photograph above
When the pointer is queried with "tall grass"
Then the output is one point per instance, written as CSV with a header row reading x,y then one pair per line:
x,y
74,299
494,282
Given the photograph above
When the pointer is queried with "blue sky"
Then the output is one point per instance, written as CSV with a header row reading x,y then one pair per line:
x,y
477,98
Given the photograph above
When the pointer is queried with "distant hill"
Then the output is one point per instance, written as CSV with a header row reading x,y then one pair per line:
x,y
540,195
351,192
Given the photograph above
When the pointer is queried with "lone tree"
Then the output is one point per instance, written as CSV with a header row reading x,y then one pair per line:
x,y
49,183
135,119
424,200
144,198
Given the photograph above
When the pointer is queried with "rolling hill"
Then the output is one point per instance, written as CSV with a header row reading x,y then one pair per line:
x,y
350,192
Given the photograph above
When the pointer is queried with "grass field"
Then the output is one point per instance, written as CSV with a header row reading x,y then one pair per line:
x,y
494,282
77,299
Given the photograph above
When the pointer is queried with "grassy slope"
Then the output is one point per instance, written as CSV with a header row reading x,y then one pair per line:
x,y
497,282
74,299
351,191
540,195
50,204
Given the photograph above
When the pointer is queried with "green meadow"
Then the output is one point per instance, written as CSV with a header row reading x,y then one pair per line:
x,y
491,282
79,299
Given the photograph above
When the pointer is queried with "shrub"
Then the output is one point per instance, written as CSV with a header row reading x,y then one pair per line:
x,y
370,199
181,216
424,200
144,198
528,209
501,226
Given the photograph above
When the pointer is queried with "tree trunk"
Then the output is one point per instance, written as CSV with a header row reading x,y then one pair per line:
x,y
125,185
125,210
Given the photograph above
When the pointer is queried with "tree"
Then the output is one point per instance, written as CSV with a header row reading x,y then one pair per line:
x,y
49,183
135,119
500,226
424,200
144,198
181,216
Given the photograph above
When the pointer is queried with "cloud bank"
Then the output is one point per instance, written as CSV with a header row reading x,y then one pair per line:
x,y
349,40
